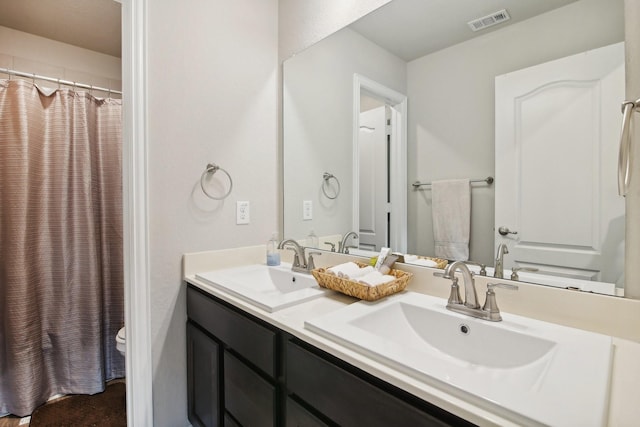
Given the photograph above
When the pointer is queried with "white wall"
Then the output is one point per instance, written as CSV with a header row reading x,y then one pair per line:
x,y
451,112
212,82
26,52
318,134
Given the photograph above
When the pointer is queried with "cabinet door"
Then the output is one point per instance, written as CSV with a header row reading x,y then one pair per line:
x,y
203,378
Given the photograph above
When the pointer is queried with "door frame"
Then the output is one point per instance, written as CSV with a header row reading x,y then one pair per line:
x,y
398,161
137,286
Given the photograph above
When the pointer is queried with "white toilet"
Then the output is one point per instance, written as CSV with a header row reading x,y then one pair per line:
x,y
120,341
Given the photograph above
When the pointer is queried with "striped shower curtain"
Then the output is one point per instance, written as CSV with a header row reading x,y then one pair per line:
x,y
61,267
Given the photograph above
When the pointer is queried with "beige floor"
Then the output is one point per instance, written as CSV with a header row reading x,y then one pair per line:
x,y
11,421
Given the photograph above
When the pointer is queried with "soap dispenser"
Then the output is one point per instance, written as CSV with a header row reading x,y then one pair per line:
x,y
273,256
312,240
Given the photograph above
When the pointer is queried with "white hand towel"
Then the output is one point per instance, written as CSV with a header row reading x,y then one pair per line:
x,y
361,272
375,278
451,210
344,270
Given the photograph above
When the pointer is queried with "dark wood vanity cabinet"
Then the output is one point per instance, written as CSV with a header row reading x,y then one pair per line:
x,y
243,371
232,376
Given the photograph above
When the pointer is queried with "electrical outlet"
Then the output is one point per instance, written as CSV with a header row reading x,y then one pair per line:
x,y
242,213
307,210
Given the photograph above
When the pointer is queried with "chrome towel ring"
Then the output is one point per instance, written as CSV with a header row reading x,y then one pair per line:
x,y
326,178
212,169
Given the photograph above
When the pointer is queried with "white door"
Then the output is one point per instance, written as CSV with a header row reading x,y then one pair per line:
x,y
373,179
557,136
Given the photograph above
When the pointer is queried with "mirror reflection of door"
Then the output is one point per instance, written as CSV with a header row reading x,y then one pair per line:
x,y
557,135
373,148
379,213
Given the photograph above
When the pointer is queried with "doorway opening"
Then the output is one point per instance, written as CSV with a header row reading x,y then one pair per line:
x,y
379,165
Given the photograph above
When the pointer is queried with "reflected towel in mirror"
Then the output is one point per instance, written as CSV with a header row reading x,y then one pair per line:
x,y
451,210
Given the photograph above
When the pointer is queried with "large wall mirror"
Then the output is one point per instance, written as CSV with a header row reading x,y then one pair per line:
x,y
532,101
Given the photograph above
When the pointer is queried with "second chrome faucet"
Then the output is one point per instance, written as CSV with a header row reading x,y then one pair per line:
x,y
470,305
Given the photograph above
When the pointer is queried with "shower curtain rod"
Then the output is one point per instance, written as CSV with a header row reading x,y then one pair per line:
x,y
55,80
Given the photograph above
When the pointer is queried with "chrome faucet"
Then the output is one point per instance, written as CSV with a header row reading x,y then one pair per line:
x,y
498,271
342,246
470,306
470,294
300,262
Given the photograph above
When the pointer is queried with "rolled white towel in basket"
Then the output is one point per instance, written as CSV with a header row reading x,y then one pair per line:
x,y
349,270
375,278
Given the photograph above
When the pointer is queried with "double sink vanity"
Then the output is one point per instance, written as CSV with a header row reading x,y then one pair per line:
x,y
267,346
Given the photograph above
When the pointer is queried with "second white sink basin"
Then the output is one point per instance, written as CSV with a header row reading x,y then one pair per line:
x,y
270,288
532,372
480,345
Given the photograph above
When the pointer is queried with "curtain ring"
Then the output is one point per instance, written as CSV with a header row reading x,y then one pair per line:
x,y
212,169
326,177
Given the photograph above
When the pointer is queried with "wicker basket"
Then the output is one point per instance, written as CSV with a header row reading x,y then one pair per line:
x,y
441,263
359,290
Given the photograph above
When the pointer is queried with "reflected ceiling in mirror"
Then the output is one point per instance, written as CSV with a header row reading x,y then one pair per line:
x,y
450,84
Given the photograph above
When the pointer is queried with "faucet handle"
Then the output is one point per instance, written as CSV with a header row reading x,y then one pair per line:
x,y
490,303
514,271
310,264
333,246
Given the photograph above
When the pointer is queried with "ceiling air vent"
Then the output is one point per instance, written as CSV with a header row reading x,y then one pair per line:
x,y
489,20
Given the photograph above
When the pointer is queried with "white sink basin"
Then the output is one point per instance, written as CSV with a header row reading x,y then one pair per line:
x,y
532,372
270,288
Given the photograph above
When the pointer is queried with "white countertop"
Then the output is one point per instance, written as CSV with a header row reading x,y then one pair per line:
x,y
625,372
292,319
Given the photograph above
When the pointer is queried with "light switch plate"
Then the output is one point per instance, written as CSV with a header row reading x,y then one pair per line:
x,y
242,213
307,210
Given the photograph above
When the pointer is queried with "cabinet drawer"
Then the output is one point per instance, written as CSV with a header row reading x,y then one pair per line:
x,y
248,398
345,398
248,338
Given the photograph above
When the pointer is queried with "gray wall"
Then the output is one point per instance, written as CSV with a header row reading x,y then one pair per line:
x,y
318,135
451,106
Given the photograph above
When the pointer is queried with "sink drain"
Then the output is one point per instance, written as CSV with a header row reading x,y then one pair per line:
x,y
465,329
